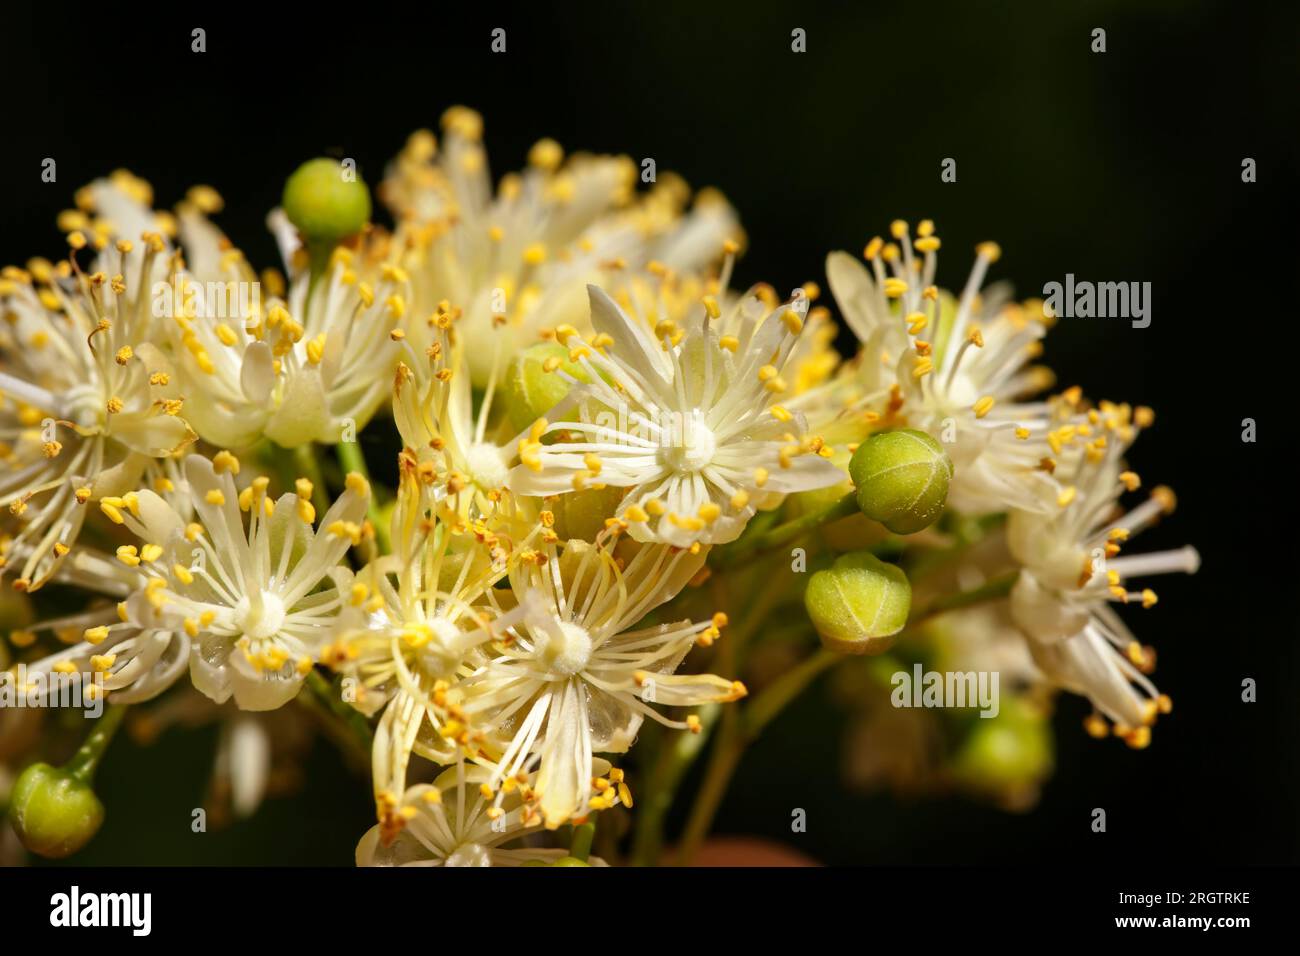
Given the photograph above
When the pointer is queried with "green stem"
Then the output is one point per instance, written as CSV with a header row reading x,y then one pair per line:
x,y
990,590
580,845
789,531
739,729
676,755
785,689
86,759
352,728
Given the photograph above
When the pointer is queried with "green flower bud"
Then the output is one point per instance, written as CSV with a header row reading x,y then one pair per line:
x,y
570,861
54,812
1006,755
902,479
324,205
859,603
530,390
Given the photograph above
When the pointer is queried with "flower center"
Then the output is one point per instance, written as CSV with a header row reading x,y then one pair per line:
x,y
260,616
442,654
486,465
565,648
693,449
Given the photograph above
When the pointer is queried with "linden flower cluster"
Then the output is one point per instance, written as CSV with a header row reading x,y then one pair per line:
x,y
585,455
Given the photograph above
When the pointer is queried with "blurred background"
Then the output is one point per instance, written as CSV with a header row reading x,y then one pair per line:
x,y
1124,165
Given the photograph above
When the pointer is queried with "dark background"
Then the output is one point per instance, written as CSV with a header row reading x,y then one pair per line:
x,y
1117,166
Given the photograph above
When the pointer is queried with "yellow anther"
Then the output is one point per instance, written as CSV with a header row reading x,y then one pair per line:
x,y
546,155
224,461
95,635
1096,726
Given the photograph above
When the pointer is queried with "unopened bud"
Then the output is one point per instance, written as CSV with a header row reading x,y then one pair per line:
x,y
859,603
325,204
902,479
54,812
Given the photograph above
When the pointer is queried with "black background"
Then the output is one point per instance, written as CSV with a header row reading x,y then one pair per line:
x,y
1117,166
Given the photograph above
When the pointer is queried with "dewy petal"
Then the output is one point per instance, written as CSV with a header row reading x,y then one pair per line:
x,y
210,668
564,778
262,689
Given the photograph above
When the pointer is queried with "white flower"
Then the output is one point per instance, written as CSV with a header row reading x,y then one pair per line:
x,y
452,450
258,602
1072,572
516,262
958,370
86,401
306,368
135,663
689,423
573,678
421,617
454,823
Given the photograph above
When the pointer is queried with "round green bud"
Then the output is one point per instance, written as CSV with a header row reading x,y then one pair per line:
x,y
902,479
54,812
326,200
1008,753
530,391
859,603
570,861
